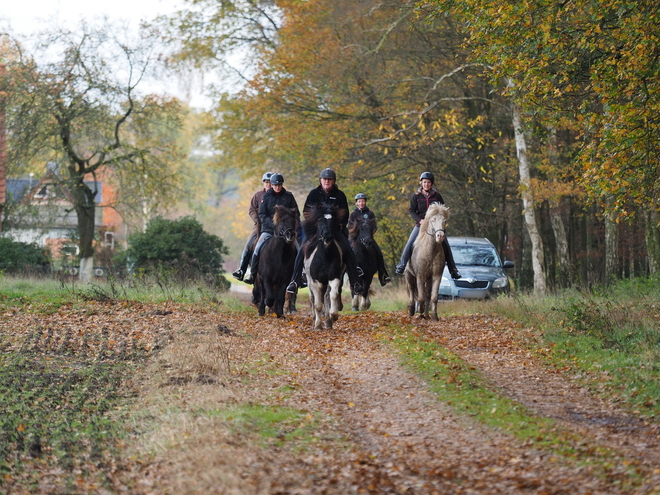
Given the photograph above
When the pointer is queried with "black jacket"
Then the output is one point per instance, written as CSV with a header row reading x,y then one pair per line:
x,y
419,204
267,207
317,197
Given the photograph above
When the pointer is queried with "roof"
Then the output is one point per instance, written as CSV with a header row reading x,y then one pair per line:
x,y
17,189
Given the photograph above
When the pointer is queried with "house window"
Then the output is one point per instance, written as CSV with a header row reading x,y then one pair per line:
x,y
43,193
110,239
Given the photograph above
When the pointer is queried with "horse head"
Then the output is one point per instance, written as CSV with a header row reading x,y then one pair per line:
x,y
286,223
321,222
363,231
435,221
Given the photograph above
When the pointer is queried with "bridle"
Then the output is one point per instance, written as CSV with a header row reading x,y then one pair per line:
x,y
435,231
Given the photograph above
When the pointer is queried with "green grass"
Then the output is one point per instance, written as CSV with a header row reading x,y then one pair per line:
x,y
464,389
45,295
280,426
56,411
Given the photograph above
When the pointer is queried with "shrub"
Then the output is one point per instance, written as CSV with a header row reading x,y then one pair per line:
x,y
18,257
179,245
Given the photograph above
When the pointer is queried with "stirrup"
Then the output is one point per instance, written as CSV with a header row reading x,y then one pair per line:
x,y
238,274
292,288
360,271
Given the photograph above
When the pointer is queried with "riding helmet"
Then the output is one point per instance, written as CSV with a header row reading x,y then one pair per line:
x,y
427,175
266,176
276,179
360,196
328,173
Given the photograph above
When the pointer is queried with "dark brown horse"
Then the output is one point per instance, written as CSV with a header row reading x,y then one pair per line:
x,y
361,237
276,262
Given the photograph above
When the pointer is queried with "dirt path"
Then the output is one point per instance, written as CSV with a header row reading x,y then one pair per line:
x,y
385,433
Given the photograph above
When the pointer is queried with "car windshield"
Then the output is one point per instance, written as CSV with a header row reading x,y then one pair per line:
x,y
466,254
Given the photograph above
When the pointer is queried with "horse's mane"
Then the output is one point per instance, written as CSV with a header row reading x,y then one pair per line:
x,y
315,213
280,211
436,209
354,231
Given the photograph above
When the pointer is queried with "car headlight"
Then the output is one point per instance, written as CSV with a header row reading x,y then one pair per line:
x,y
500,283
444,282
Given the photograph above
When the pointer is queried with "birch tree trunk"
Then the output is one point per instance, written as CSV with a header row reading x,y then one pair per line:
x,y
528,204
652,235
611,247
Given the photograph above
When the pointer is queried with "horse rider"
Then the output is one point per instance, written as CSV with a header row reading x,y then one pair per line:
x,y
420,201
256,229
362,211
327,193
276,195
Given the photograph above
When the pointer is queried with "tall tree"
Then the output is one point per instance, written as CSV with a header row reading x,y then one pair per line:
x,y
81,96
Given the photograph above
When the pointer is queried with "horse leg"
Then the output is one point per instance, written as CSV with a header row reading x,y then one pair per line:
x,y
411,282
422,288
316,300
279,301
327,310
334,291
366,302
261,304
434,295
355,303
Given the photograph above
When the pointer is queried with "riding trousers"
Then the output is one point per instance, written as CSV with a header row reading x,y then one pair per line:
x,y
407,251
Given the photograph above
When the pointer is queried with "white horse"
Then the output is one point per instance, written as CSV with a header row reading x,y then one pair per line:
x,y
424,270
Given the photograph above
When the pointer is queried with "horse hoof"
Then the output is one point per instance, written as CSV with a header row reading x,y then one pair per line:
x,y
355,308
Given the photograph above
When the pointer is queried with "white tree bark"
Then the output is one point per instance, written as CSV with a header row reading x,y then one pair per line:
x,y
86,273
528,204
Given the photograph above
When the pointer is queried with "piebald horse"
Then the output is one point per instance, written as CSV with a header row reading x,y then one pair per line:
x,y
324,264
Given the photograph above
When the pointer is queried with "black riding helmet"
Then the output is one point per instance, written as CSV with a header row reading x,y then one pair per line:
x,y
427,175
360,196
276,179
328,173
266,176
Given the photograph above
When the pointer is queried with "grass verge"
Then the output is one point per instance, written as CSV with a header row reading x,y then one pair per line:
x,y
462,387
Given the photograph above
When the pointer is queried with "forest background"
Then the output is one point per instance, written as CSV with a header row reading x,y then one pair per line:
x,y
538,119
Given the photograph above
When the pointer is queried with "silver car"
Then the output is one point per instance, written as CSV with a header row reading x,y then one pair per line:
x,y
482,270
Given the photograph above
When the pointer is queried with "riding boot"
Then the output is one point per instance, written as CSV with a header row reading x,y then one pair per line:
x,y
383,276
449,258
242,267
254,264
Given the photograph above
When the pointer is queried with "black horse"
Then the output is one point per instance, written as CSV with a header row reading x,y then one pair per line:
x,y
361,237
324,263
276,262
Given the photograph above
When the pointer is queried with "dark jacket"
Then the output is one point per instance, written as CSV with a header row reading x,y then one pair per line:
x,y
419,204
254,206
267,207
318,197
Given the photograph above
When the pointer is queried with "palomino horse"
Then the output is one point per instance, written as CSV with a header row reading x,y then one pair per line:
x,y
424,270
362,240
276,262
324,264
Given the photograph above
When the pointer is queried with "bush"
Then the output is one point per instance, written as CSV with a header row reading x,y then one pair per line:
x,y
179,245
18,257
